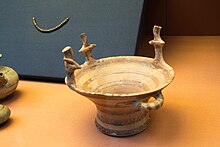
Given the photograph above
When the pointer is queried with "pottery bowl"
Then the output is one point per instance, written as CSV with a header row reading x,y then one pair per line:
x,y
121,86
123,75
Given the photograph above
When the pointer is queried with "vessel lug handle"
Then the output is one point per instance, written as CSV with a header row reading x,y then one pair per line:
x,y
3,79
158,103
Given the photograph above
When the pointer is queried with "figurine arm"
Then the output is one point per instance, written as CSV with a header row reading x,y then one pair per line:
x,y
70,64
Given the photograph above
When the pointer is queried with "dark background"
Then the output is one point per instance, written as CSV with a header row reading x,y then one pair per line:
x,y
188,17
180,19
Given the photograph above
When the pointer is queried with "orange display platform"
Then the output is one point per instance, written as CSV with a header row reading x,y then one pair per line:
x,y
51,115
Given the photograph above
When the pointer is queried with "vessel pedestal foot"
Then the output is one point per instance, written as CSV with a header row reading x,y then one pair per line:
x,y
124,125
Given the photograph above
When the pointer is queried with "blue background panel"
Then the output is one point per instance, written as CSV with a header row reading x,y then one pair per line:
x,y
112,25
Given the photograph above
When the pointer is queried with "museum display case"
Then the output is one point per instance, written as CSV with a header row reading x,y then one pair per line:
x,y
47,113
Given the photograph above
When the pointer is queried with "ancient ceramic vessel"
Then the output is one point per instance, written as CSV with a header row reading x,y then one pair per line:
x,y
8,83
120,86
4,113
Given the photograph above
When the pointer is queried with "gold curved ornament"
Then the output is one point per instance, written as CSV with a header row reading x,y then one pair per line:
x,y
49,30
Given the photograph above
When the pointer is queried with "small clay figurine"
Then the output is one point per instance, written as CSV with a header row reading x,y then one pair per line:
x,y
70,64
87,48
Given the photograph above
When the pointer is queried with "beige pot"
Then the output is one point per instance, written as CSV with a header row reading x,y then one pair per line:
x,y
120,86
4,113
8,83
